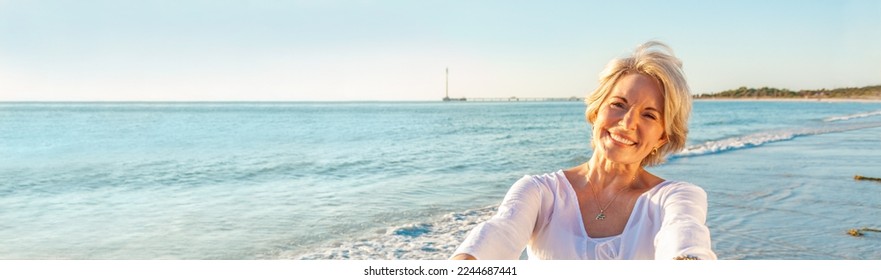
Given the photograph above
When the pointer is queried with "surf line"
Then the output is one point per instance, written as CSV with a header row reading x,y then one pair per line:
x,y
852,116
761,138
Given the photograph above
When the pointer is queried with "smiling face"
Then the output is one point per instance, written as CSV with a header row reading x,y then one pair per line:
x,y
630,122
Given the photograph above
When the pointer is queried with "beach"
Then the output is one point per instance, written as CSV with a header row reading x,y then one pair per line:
x,y
402,180
832,100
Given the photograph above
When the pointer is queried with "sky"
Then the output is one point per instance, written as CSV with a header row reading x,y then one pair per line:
x,y
216,50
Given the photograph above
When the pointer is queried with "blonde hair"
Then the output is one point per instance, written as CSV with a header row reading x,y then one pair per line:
x,y
656,60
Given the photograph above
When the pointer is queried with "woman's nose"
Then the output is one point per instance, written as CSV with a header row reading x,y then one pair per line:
x,y
628,121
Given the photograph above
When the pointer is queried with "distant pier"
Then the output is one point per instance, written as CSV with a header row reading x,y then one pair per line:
x,y
523,99
447,97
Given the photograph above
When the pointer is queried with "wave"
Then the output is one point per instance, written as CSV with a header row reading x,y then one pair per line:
x,y
761,138
852,116
433,240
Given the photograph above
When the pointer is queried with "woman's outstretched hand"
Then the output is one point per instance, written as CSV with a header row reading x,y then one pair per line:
x,y
463,256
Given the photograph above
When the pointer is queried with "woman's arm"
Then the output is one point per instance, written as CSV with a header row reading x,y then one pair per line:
x,y
683,233
504,236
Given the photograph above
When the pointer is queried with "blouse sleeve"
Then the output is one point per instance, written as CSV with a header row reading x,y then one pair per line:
x,y
683,231
505,235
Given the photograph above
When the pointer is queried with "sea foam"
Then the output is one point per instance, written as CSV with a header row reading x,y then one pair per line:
x,y
852,116
764,137
435,240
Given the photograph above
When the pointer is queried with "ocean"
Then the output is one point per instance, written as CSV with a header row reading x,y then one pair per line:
x,y
401,180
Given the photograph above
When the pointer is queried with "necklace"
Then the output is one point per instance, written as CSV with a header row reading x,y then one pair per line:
x,y
602,215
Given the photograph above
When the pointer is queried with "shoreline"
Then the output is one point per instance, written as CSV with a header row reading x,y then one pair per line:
x,y
829,100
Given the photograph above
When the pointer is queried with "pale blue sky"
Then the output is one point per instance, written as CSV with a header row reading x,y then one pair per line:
x,y
397,50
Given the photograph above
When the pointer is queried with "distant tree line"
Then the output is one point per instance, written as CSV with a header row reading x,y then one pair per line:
x,y
869,92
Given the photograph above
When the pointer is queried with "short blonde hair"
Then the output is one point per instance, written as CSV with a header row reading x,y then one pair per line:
x,y
656,60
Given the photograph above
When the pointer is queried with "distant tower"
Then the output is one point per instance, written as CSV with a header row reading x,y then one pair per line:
x,y
447,84
447,88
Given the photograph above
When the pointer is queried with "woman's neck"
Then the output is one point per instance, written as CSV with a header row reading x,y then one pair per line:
x,y
605,175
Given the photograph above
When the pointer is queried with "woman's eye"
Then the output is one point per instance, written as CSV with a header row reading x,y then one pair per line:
x,y
617,104
650,116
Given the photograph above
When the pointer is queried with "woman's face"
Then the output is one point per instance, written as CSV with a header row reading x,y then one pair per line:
x,y
630,122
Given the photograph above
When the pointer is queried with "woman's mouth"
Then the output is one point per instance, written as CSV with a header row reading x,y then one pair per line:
x,y
621,139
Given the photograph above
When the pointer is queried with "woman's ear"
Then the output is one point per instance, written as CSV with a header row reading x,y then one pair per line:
x,y
663,141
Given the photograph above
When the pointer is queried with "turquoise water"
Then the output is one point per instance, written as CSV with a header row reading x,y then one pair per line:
x,y
400,180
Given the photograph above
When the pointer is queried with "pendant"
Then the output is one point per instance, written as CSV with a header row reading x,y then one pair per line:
x,y
601,216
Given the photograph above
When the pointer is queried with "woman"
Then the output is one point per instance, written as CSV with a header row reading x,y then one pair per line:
x,y
610,207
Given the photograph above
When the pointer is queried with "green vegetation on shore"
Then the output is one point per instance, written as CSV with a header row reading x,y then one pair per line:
x,y
869,92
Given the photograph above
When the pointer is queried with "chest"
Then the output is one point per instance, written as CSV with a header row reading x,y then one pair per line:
x,y
605,218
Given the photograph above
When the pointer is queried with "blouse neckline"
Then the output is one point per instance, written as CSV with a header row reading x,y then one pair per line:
x,y
627,226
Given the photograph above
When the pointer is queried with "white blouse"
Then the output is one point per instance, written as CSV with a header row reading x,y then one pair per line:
x,y
542,214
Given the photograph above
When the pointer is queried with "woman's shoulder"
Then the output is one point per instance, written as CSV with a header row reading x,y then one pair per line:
x,y
679,185
547,179
669,187
551,181
675,192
